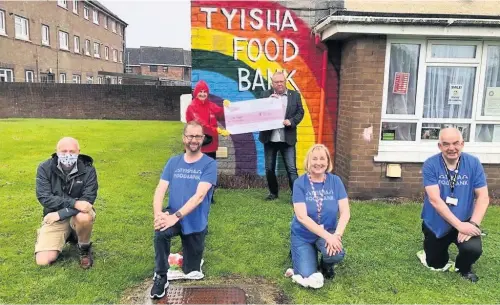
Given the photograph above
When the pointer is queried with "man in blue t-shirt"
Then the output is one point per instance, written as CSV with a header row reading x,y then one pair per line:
x,y
455,202
191,178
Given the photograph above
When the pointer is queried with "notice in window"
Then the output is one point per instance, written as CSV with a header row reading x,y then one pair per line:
x,y
492,101
401,83
456,94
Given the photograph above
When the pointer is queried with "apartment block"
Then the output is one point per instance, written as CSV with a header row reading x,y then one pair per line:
x,y
59,41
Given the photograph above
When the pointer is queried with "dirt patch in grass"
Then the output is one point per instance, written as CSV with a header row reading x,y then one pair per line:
x,y
258,290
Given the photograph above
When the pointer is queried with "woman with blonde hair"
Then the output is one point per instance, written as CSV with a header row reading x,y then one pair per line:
x,y
321,215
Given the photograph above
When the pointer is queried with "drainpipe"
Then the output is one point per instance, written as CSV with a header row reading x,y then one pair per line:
x,y
324,69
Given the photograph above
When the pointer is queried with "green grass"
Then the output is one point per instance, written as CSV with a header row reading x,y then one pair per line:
x,y
248,236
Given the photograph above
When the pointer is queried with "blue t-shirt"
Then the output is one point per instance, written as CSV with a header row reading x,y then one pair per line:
x,y
183,181
470,177
334,191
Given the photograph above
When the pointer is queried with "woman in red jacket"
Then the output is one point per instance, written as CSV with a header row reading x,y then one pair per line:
x,y
207,114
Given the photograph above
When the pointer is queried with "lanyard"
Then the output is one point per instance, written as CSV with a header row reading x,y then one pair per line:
x,y
452,180
318,197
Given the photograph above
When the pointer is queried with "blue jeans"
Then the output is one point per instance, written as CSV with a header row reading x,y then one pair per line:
x,y
304,256
288,153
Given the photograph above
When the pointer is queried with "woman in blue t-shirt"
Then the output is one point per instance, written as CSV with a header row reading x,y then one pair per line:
x,y
319,198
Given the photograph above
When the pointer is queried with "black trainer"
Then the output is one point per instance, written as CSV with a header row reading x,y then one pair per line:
x,y
470,276
271,197
160,285
327,270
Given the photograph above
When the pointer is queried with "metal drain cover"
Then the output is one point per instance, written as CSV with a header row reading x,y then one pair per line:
x,y
203,295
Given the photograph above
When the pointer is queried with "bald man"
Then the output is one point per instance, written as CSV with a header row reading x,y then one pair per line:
x,y
456,199
66,187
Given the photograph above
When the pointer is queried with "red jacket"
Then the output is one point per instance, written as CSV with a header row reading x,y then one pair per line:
x,y
207,114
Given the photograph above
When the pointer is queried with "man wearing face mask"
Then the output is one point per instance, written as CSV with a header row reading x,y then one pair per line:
x,y
191,178
456,199
66,187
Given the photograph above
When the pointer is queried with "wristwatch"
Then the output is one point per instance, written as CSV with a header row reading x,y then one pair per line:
x,y
178,214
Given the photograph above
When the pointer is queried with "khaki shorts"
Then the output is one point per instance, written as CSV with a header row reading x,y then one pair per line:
x,y
53,237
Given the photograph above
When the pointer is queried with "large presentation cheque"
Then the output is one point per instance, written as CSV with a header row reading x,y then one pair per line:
x,y
254,115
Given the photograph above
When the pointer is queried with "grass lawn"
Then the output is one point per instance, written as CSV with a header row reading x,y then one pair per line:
x,y
248,236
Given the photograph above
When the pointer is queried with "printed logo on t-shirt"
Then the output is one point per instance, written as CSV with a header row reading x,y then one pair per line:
x,y
187,173
328,195
461,180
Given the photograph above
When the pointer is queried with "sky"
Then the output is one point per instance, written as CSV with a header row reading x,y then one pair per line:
x,y
159,23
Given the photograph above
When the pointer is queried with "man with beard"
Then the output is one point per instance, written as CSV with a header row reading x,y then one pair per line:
x,y
191,177
456,199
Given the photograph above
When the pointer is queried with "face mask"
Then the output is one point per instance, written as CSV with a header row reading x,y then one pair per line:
x,y
67,159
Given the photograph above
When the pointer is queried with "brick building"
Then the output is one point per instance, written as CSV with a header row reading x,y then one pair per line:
x,y
59,41
396,70
161,62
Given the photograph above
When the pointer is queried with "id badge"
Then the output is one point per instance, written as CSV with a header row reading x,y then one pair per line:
x,y
451,200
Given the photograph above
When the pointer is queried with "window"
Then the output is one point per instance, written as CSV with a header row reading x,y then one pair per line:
x,y
119,29
433,84
22,28
115,55
106,53
165,69
77,79
6,75
2,23
105,21
90,79
75,7
95,16
187,74
97,50
63,40
62,3
120,58
45,35
87,47
85,12
153,68
99,80
30,76
120,80
76,44
113,26
62,78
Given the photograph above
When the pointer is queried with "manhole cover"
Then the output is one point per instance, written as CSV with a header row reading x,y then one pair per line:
x,y
203,295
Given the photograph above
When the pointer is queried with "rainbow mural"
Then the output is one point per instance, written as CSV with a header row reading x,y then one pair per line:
x,y
237,45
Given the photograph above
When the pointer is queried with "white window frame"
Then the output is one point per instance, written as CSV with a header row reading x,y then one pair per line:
x,y
62,78
419,150
3,73
90,79
120,56
87,47
119,29
29,76
99,80
75,6
2,23
77,79
115,55
25,27
86,12
62,3
106,21
106,52
113,25
76,44
63,40
98,49
45,31
95,16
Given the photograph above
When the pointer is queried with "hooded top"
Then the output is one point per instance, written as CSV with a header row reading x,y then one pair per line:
x,y
206,113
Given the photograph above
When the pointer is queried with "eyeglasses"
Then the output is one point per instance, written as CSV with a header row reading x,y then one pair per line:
x,y
197,137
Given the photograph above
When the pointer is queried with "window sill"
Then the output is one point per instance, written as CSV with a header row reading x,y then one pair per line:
x,y
488,153
23,39
65,50
3,34
47,45
97,56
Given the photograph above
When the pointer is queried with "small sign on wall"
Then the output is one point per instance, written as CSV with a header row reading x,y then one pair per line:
x,y
492,101
456,94
400,85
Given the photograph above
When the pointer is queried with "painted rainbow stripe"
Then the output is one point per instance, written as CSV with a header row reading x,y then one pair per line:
x,y
215,45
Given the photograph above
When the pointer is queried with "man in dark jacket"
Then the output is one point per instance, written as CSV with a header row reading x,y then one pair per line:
x,y
66,187
282,139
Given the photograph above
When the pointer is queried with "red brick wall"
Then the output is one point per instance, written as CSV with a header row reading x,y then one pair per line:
x,y
176,73
360,106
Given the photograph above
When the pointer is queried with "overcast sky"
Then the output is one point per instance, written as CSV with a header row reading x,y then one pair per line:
x,y
159,23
